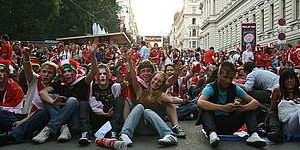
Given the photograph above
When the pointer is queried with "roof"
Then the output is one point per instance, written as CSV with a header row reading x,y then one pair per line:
x,y
119,37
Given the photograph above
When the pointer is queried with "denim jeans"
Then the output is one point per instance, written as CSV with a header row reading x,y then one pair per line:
x,y
144,119
66,114
37,121
227,125
184,111
89,121
7,119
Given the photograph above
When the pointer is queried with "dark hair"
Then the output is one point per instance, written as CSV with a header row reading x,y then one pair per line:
x,y
289,45
5,37
146,64
249,66
227,67
211,48
165,71
287,74
143,43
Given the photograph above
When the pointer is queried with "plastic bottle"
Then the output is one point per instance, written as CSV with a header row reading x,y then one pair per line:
x,y
111,143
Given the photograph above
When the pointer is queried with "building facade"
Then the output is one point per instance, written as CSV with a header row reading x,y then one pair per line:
x,y
185,32
222,19
127,19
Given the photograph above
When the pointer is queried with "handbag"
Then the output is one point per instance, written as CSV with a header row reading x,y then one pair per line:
x,y
286,109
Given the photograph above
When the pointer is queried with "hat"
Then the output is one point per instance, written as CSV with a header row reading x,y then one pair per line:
x,y
69,63
5,64
34,61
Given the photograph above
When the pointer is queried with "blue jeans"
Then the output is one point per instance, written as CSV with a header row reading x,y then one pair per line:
x,y
141,118
36,122
7,119
184,111
68,113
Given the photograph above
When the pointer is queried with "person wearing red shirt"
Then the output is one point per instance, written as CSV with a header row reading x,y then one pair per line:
x,y
209,57
6,49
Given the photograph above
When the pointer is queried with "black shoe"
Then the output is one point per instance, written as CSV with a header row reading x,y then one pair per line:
x,y
111,135
262,130
178,131
86,138
6,138
276,137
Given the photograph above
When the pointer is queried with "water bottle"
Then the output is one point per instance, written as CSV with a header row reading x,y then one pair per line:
x,y
111,143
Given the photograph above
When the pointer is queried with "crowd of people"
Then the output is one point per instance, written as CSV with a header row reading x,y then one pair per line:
x,y
70,89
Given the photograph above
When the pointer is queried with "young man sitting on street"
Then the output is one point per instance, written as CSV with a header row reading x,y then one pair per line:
x,y
221,114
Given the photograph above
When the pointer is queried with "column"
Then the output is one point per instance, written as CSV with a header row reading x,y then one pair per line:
x,y
213,7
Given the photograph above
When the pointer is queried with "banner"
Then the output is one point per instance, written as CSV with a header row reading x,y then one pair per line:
x,y
248,35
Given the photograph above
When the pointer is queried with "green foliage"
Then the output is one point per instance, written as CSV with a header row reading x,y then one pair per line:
x,y
49,19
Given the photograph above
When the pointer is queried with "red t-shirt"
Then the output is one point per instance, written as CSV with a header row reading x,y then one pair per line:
x,y
208,57
6,49
156,53
135,56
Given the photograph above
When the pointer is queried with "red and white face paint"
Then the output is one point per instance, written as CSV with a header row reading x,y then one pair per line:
x,y
3,74
103,76
69,75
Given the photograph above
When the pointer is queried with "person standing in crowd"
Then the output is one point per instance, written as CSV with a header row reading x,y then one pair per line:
x,y
247,54
6,49
222,114
209,57
144,51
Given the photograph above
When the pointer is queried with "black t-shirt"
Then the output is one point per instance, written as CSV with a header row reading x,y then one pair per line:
x,y
79,90
104,95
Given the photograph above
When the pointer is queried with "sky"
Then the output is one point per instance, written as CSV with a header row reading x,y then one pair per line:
x,y
155,17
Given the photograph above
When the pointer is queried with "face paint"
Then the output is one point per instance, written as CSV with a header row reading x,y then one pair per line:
x,y
3,74
69,75
103,76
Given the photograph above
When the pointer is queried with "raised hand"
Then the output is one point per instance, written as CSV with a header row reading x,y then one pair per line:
x,y
93,48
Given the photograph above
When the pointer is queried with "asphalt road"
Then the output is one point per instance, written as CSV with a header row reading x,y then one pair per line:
x,y
195,140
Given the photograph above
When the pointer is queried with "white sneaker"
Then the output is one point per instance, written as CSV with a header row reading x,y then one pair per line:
x,y
65,134
42,136
126,139
213,139
256,142
168,140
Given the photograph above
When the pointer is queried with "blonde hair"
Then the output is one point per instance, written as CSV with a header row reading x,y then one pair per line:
x,y
51,65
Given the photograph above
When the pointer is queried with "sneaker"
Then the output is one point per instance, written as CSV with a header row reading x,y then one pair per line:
x,y
256,142
178,131
168,140
111,135
42,136
65,134
6,138
276,137
86,138
126,139
214,139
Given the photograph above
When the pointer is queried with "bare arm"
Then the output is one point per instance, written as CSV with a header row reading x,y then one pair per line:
x,y
91,75
173,100
204,104
173,79
135,84
27,65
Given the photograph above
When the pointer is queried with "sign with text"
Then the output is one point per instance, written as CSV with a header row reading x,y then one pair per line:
x,y
153,38
248,35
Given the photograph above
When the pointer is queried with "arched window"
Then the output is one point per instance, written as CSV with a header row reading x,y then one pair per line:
x,y
194,33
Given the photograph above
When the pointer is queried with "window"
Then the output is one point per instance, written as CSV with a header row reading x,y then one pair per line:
x,y
247,19
194,10
194,1
194,44
253,18
261,20
194,32
283,9
194,21
297,9
271,22
190,44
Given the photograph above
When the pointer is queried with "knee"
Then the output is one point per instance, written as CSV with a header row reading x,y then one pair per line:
x,y
72,101
140,107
